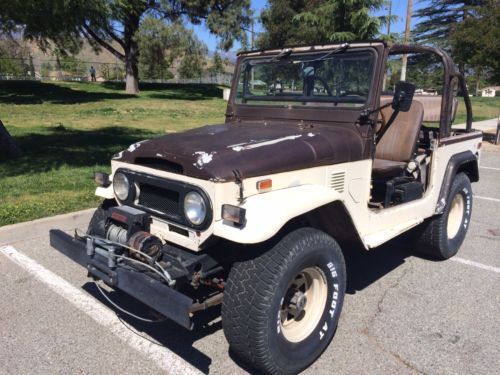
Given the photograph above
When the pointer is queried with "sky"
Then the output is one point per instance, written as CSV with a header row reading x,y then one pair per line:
x,y
398,8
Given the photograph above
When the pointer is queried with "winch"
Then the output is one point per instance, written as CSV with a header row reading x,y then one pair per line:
x,y
128,226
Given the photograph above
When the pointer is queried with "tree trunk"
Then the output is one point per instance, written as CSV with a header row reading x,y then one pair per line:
x,y
7,145
132,69
478,80
131,54
59,71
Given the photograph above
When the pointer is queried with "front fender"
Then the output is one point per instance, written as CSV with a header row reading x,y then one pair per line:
x,y
267,213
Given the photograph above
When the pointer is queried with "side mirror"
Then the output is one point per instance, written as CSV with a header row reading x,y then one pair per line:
x,y
403,96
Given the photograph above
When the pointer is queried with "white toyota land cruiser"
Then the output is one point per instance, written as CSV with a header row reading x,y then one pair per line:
x,y
256,213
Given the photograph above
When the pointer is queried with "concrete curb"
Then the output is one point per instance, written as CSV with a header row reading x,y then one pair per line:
x,y
10,234
483,125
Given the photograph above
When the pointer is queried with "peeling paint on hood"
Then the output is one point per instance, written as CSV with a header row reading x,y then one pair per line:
x,y
255,149
135,146
256,144
203,158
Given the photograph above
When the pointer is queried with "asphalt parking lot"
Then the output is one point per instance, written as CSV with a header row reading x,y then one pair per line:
x,y
402,314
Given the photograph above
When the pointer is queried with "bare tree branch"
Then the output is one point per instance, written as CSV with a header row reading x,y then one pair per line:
x,y
115,37
103,43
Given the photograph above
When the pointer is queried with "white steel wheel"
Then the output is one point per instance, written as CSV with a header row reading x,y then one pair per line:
x,y
303,304
455,216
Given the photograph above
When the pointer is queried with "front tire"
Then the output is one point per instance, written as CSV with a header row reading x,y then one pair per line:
x,y
281,309
98,221
440,237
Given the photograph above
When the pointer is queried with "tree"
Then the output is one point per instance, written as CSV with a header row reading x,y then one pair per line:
x,y
7,146
194,58
280,29
467,29
217,66
114,24
474,42
319,21
440,17
344,20
160,44
13,57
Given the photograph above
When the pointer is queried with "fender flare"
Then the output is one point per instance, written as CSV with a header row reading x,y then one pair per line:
x,y
267,213
454,165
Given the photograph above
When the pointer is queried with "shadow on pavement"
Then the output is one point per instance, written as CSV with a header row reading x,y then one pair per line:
x,y
167,333
366,267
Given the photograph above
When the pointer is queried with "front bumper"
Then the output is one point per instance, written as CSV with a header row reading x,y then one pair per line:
x,y
167,301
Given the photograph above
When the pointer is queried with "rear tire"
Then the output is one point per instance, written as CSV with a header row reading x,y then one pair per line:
x,y
441,236
281,309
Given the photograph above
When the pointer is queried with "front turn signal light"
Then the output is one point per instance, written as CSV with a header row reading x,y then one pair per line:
x,y
233,214
264,185
102,179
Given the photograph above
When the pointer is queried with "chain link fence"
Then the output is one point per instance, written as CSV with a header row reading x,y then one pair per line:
x,y
72,69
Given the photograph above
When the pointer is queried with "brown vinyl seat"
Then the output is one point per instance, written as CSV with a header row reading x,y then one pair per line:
x,y
395,149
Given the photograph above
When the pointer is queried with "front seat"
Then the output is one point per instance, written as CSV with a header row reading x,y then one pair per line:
x,y
397,146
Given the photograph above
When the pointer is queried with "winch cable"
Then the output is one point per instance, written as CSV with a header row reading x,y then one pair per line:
x,y
126,311
166,276
134,331
162,275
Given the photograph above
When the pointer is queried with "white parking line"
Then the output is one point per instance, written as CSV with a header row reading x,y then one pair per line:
x,y
487,198
161,356
476,264
492,168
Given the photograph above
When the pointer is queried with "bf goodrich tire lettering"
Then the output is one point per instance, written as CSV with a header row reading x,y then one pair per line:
x,y
256,290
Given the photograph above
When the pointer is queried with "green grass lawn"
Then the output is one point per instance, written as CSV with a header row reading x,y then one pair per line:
x,y
70,130
482,109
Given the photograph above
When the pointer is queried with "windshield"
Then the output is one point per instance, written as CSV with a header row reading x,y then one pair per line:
x,y
320,79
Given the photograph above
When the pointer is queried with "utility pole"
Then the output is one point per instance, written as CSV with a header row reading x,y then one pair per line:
x,y
389,19
252,47
388,37
407,39
252,34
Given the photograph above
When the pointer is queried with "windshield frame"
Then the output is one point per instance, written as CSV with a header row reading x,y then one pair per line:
x,y
298,104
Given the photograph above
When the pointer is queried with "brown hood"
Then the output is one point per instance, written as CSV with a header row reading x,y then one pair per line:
x,y
254,149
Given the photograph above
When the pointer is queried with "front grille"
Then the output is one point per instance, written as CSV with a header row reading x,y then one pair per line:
x,y
164,198
160,200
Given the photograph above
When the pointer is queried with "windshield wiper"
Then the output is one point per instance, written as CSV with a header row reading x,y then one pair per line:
x,y
341,48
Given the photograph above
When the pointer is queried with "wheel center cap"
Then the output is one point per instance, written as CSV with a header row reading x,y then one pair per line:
x,y
298,301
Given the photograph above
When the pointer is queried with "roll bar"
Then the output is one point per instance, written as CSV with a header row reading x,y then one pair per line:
x,y
449,74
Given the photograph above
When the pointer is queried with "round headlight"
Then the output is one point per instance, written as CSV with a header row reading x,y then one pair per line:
x,y
121,186
195,208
